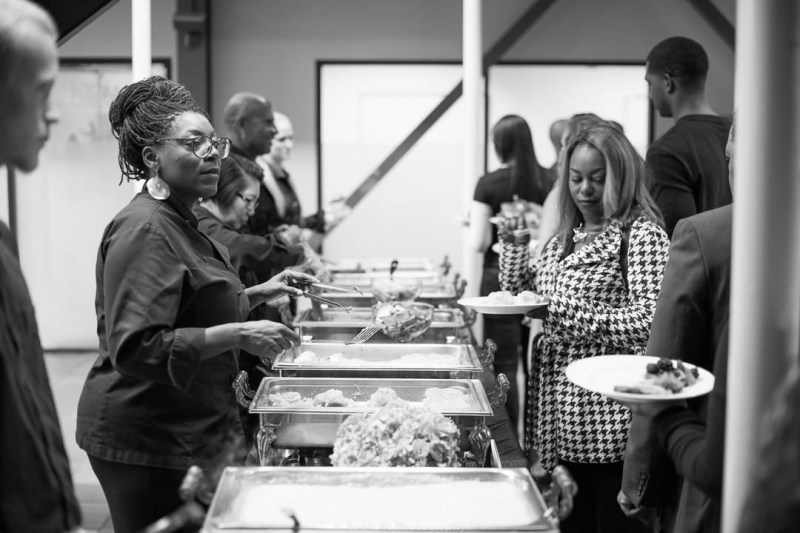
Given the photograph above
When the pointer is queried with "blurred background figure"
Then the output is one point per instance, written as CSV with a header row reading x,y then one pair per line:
x,y
521,177
280,209
557,138
688,171
36,489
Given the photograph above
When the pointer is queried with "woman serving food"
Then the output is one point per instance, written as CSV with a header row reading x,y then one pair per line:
x,y
601,274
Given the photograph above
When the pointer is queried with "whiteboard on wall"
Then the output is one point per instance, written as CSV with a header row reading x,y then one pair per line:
x,y
544,93
65,204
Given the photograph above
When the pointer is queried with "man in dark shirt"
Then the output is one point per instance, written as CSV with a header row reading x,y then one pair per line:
x,y
36,491
688,171
250,124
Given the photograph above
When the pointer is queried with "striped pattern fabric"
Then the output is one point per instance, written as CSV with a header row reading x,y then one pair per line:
x,y
590,314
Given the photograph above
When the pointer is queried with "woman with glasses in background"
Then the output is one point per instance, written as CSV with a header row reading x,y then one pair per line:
x,y
222,217
171,315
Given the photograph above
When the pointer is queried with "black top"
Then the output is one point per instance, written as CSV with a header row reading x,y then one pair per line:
x,y
688,170
149,399
494,189
266,218
36,492
249,253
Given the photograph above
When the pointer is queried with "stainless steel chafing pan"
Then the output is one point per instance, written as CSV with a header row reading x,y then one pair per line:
x,y
383,360
377,499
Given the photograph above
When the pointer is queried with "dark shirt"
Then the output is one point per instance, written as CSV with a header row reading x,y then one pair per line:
x,y
266,217
36,492
688,173
149,398
249,253
493,189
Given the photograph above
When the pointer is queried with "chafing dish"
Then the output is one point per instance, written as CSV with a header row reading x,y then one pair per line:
x,y
439,294
404,264
377,499
334,324
308,424
383,360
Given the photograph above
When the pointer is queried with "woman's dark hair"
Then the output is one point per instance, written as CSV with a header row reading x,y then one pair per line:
x,y
141,113
235,174
513,144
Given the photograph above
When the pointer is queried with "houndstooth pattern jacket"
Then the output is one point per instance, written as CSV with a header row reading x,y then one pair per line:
x,y
590,313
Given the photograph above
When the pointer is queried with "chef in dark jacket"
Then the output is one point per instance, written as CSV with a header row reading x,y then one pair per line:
x,y
171,314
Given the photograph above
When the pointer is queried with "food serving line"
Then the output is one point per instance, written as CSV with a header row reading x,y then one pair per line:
x,y
414,345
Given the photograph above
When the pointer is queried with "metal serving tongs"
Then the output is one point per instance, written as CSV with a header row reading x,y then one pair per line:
x,y
305,285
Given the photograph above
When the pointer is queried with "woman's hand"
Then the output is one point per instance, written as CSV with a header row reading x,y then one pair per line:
x,y
287,282
513,230
263,337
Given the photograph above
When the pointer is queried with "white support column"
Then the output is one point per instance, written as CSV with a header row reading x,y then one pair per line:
x,y
473,129
141,47
765,292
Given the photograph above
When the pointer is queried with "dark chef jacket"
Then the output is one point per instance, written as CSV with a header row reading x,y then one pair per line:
x,y
36,492
149,399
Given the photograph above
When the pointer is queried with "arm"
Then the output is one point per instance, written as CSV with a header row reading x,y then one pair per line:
x,y
671,188
144,288
258,253
680,329
480,229
515,274
575,317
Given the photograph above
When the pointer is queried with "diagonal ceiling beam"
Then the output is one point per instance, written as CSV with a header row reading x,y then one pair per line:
x,y
506,41
714,17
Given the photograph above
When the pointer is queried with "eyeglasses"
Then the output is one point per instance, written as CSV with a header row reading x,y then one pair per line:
x,y
251,203
203,144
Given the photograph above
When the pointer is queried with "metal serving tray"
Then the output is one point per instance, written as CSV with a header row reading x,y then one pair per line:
x,y
443,294
335,325
382,360
404,264
295,426
363,280
377,499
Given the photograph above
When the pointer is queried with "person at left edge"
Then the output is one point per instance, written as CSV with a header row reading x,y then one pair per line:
x,y
170,314
36,489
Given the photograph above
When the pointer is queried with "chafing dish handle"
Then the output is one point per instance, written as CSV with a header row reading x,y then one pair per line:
x,y
497,397
487,355
244,394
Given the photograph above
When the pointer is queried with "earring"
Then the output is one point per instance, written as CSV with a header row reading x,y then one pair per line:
x,y
157,187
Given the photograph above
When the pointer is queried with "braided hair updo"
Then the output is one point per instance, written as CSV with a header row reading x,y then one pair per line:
x,y
141,113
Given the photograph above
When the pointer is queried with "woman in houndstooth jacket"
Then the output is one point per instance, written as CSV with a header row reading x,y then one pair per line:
x,y
602,273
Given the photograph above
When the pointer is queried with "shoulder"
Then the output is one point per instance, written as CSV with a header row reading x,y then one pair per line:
x,y
644,228
142,216
713,224
495,177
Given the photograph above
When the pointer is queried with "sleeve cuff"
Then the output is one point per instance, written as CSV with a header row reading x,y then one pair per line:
x,y
184,359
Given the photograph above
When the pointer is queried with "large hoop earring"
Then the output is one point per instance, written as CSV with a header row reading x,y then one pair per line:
x,y
157,187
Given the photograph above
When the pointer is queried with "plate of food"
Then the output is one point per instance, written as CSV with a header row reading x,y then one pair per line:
x,y
505,303
640,378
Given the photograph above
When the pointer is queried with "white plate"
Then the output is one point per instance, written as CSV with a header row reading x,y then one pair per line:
x,y
601,374
480,304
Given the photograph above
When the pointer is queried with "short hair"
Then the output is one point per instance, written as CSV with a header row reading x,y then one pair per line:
x,y
680,57
241,106
625,196
141,113
16,16
235,174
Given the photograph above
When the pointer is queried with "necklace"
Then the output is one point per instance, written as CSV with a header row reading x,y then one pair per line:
x,y
580,234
